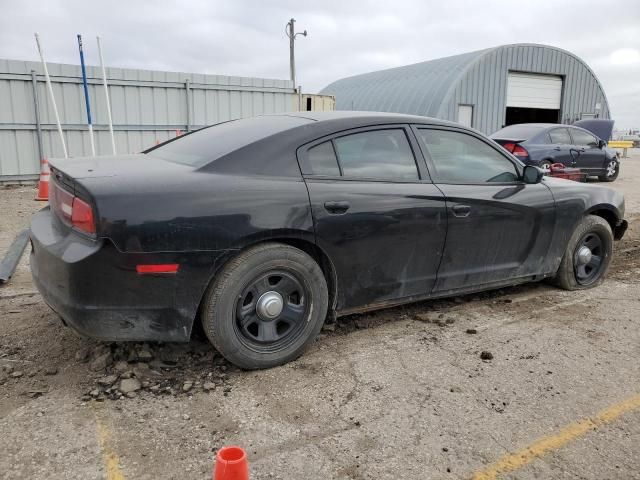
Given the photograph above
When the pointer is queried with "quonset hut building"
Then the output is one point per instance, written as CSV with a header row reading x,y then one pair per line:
x,y
486,90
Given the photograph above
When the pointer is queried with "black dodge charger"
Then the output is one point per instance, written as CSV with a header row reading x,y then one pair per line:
x,y
263,227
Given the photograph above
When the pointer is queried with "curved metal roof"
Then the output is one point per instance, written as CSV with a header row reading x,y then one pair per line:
x,y
415,89
421,88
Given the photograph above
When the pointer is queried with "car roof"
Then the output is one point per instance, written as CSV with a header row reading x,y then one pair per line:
x,y
364,117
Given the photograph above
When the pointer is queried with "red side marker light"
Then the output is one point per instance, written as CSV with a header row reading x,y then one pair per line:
x,y
158,268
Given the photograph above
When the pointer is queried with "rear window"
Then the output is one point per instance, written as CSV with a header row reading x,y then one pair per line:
x,y
518,132
209,143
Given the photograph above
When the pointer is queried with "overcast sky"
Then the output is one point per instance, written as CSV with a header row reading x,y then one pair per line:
x,y
346,37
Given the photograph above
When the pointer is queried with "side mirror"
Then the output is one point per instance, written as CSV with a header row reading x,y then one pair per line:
x,y
532,174
602,144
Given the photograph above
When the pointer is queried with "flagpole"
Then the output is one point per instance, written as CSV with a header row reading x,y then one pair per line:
x,y
106,94
53,99
86,96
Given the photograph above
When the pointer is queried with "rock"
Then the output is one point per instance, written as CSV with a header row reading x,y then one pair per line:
x,y
101,362
485,355
450,321
187,386
94,393
121,366
16,374
424,317
51,371
208,386
108,380
185,416
472,331
129,385
131,395
82,355
145,355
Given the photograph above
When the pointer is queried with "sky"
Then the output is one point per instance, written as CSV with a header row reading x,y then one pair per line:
x,y
345,37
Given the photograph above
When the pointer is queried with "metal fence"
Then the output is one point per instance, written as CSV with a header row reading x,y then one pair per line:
x,y
147,107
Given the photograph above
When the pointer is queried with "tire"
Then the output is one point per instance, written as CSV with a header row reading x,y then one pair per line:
x,y
245,287
545,165
611,171
592,231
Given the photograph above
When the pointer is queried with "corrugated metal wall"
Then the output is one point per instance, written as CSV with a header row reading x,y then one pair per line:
x,y
484,85
147,106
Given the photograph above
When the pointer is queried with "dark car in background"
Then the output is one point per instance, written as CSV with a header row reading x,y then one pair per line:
x,y
262,227
543,144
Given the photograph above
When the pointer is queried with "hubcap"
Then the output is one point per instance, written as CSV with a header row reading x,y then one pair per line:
x,y
587,259
611,168
270,305
271,311
584,255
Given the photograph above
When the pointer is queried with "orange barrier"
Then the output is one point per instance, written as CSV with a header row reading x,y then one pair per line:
x,y
43,183
231,464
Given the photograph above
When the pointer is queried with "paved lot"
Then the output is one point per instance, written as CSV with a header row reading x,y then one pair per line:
x,y
401,393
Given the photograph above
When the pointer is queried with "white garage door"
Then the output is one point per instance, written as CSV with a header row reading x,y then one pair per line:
x,y
528,90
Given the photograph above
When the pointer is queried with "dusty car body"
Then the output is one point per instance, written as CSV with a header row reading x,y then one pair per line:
x,y
170,225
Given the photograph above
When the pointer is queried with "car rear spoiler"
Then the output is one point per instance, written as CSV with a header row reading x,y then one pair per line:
x,y
601,127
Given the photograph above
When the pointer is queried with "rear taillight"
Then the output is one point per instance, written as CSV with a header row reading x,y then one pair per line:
x,y
515,149
82,216
72,210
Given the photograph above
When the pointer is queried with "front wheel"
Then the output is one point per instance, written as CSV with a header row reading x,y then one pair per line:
x,y
588,255
611,171
545,165
266,306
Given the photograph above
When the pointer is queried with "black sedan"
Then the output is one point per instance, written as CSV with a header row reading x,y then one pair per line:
x,y
542,144
263,227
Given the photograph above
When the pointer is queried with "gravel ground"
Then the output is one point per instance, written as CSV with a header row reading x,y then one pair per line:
x,y
401,393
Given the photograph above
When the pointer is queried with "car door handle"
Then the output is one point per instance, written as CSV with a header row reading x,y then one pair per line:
x,y
336,208
461,210
557,149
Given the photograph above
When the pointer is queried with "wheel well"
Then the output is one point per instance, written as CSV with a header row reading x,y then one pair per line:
x,y
323,260
608,215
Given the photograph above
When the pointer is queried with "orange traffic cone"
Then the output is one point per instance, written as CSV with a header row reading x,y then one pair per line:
x,y
43,184
231,464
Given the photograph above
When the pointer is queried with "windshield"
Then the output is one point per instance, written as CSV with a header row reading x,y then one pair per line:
x,y
209,143
518,132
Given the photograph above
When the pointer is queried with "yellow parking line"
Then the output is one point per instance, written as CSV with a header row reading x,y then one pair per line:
x,y
519,459
109,457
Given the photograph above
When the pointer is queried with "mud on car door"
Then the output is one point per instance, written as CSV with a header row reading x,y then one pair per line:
x,y
376,214
510,222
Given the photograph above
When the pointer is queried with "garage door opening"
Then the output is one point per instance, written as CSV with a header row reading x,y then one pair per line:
x,y
531,115
533,98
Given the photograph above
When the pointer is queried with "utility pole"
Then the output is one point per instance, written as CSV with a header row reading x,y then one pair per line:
x,y
290,30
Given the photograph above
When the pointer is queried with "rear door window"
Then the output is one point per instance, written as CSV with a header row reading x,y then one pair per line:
x,y
323,160
560,136
379,154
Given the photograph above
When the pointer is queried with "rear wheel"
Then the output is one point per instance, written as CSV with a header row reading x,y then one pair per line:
x,y
588,255
266,306
611,171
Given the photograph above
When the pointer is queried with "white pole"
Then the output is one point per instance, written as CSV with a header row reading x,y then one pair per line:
x,y
53,100
106,94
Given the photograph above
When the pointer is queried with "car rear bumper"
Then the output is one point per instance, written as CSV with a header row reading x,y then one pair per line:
x,y
97,290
